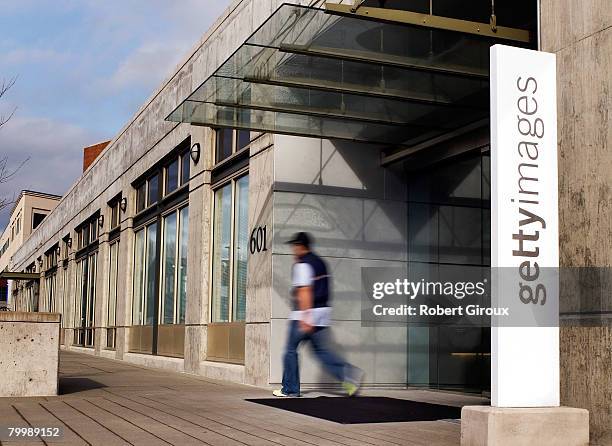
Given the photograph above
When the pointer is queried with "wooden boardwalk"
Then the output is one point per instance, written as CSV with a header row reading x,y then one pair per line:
x,y
109,402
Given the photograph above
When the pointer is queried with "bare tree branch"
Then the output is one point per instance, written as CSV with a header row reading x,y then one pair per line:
x,y
6,172
4,87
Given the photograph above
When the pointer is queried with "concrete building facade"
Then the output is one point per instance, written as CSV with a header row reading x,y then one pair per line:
x,y
27,214
169,251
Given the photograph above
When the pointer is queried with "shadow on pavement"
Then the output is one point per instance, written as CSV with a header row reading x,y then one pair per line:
x,y
75,385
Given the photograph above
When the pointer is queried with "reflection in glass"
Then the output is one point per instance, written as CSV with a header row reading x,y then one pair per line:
x,y
171,177
91,301
185,166
111,320
244,139
221,254
225,142
448,229
169,268
150,273
141,195
152,190
84,288
241,247
182,273
139,255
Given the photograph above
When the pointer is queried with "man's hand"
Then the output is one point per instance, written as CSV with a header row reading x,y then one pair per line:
x,y
305,327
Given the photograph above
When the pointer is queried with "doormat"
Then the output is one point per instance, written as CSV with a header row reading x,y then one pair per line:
x,y
367,409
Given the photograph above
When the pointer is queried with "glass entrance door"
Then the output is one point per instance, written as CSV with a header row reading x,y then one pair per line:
x,y
449,230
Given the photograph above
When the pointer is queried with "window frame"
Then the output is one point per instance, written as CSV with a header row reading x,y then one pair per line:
x,y
235,149
233,179
115,213
142,184
177,210
87,249
113,267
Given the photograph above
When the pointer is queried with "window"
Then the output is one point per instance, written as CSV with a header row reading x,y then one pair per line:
x,y
85,299
37,219
185,168
51,258
115,212
165,178
113,271
87,232
50,263
65,296
65,250
230,141
50,291
111,316
144,275
174,267
141,194
176,172
152,190
86,269
160,257
171,176
230,244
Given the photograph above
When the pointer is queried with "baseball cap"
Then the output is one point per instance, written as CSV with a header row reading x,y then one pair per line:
x,y
300,238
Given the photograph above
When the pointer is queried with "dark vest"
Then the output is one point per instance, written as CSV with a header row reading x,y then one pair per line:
x,y
321,279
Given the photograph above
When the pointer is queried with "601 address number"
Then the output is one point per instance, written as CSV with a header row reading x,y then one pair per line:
x,y
259,240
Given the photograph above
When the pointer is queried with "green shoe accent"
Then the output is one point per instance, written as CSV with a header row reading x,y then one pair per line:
x,y
350,388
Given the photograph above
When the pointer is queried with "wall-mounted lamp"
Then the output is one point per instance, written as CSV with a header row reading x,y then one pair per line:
x,y
101,220
69,242
40,262
195,153
58,250
123,204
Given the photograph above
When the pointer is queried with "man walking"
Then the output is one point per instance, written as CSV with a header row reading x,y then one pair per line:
x,y
310,320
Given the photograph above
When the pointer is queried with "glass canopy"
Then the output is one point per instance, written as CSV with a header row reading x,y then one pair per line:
x,y
310,72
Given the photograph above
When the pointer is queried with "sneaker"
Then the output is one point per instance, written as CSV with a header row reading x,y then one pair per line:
x,y
350,388
280,394
353,383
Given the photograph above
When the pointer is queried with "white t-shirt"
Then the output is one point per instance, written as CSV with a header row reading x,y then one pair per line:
x,y
302,276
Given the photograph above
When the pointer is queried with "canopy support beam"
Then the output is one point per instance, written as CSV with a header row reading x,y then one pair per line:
x,y
431,21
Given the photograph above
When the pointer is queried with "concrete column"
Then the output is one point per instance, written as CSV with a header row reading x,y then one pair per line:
x,y
125,275
542,426
70,289
580,33
101,302
196,314
259,282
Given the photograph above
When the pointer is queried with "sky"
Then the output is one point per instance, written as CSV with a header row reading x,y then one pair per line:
x,y
83,68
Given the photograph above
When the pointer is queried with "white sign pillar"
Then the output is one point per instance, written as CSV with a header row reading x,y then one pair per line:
x,y
524,225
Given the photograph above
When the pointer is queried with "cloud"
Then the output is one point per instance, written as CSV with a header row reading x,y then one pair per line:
x,y
146,67
54,150
163,47
23,56
84,67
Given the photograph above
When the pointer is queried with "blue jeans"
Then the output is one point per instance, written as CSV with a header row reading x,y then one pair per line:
x,y
319,339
